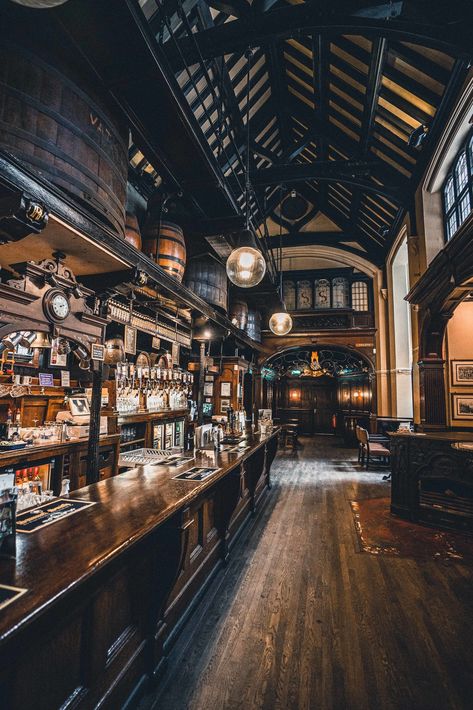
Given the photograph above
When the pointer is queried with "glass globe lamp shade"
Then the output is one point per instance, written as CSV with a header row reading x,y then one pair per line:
x,y
280,323
246,266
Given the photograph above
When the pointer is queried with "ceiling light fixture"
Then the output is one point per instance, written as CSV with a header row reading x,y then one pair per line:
x,y
280,323
246,265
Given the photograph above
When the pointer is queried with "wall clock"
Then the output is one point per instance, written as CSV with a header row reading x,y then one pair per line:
x,y
56,305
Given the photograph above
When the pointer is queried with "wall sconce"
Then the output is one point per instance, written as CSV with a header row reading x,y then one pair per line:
x,y
294,394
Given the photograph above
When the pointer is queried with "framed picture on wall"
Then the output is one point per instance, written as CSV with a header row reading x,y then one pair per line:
x,y
462,372
225,389
224,405
208,389
462,406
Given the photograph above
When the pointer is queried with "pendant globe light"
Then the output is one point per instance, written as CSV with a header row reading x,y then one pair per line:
x,y
246,265
280,323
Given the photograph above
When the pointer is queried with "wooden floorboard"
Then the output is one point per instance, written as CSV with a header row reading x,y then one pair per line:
x,y
302,619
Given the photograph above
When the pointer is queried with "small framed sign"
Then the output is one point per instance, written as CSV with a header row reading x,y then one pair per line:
x,y
65,378
130,340
175,352
98,352
208,389
225,389
56,357
156,343
46,379
224,405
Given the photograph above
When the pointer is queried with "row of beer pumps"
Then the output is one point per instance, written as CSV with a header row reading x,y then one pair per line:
x,y
152,388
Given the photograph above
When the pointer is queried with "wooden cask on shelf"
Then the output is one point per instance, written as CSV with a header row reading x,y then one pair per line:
x,y
253,326
207,277
63,132
132,230
239,313
164,242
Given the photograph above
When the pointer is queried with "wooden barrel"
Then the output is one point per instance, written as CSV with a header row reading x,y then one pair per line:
x,y
253,326
132,230
164,242
55,128
207,277
239,313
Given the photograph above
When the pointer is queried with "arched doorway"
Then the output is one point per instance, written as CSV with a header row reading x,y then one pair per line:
x,y
317,384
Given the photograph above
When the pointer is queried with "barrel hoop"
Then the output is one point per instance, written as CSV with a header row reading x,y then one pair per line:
x,y
172,239
172,258
68,179
51,169
51,148
61,120
171,268
65,80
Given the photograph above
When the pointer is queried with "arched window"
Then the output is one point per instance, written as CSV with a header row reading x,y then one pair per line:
x,y
322,293
289,291
340,292
457,190
359,296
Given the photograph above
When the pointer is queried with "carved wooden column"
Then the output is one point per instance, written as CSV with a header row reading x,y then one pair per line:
x,y
433,410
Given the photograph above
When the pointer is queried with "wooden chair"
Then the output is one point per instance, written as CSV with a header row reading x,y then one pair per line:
x,y
361,452
372,449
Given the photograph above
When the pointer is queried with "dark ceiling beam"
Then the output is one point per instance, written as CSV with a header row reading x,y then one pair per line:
x,y
375,250
277,75
237,8
321,77
379,52
350,172
452,35
333,239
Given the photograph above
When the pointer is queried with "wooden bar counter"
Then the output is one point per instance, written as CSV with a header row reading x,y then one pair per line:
x,y
110,586
432,478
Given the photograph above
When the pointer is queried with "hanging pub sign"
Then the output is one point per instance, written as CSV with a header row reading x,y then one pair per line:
x,y
175,352
98,352
156,342
130,340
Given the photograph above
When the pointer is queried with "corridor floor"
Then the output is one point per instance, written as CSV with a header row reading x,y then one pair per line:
x,y
302,620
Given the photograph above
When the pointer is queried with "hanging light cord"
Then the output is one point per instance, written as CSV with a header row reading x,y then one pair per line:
x,y
280,245
249,54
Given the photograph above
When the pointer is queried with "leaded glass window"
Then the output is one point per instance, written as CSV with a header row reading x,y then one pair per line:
x,y
340,292
289,291
457,190
322,293
359,296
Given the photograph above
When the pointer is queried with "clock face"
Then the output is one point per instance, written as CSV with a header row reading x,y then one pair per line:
x,y
56,305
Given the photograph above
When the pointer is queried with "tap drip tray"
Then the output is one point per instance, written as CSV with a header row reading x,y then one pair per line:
x,y
196,473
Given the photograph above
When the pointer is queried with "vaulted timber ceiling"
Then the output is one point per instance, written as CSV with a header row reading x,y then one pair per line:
x,y
336,89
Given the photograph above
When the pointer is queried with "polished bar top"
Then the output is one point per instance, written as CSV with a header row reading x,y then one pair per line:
x,y
435,435
59,557
38,452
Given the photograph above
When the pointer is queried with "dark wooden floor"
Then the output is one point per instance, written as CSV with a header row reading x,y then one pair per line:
x,y
301,619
